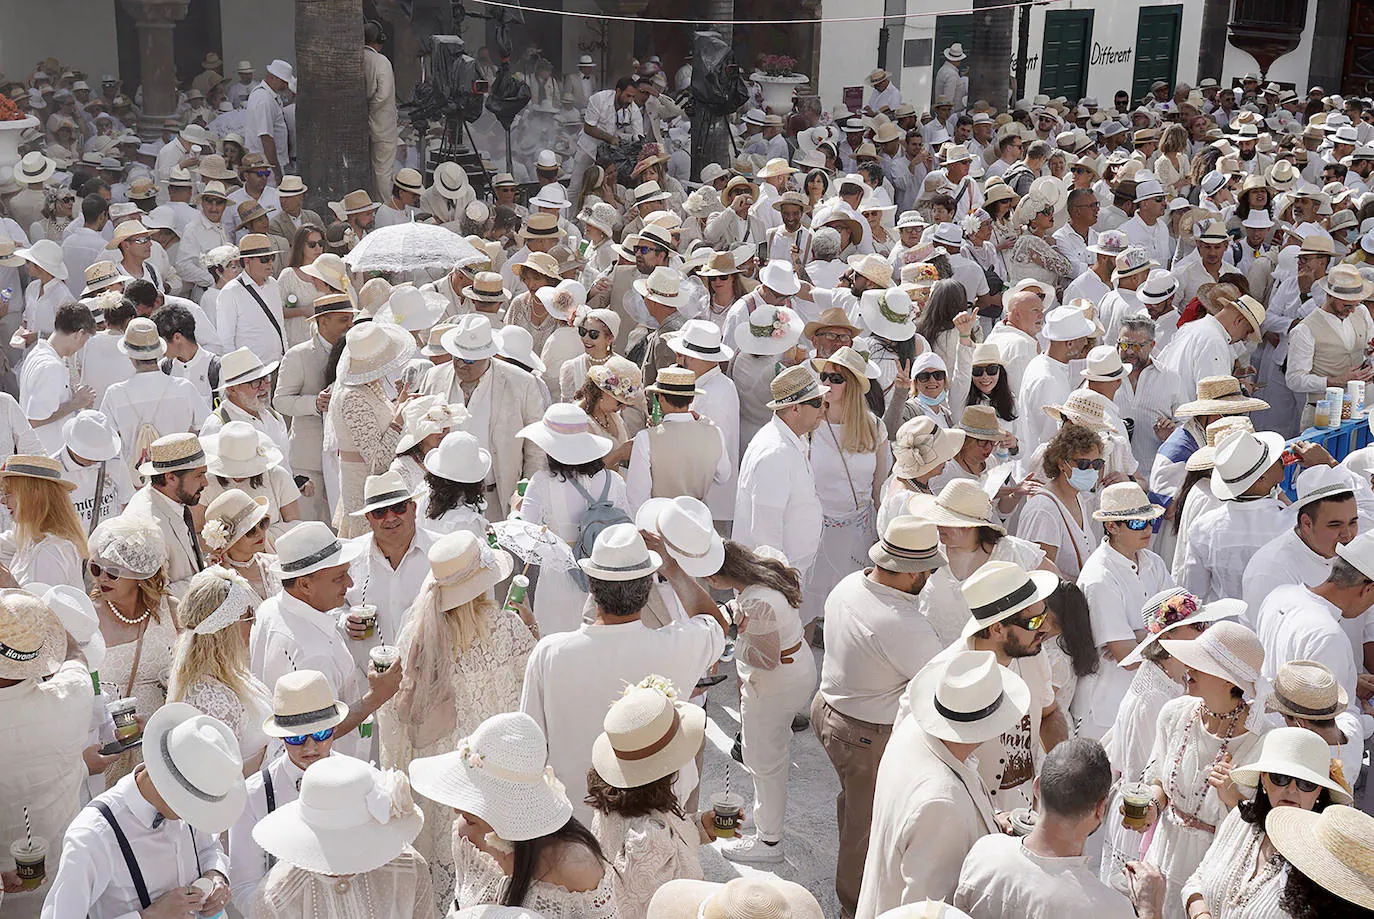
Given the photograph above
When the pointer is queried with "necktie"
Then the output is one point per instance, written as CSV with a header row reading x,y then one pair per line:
x,y
158,820
191,534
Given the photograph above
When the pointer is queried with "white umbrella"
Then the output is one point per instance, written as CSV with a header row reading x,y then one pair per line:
x,y
535,544
409,246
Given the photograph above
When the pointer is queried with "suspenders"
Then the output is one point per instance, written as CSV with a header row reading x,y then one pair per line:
x,y
130,861
271,806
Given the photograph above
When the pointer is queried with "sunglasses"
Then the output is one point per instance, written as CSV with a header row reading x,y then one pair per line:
x,y
1124,345
590,334
644,250
1137,526
833,378
300,739
464,361
1280,780
835,336
1098,464
113,571
399,509
925,376
987,370
1032,624
315,244
140,240
262,173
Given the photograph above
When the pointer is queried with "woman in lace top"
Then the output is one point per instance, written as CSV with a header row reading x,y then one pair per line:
x,y
526,310
1034,255
235,536
777,677
210,670
638,820
427,419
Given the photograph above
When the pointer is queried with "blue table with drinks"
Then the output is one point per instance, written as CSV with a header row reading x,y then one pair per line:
x,y
1340,441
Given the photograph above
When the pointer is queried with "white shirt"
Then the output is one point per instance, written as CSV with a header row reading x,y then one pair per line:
x,y
198,236
1302,346
169,404
1016,348
172,153
775,501
1221,543
197,370
242,322
44,384
1114,307
640,478
92,879
265,118
888,98
249,864
114,495
82,248
1087,286
1285,559
103,364
1046,382
1001,877
1201,348
1046,521
1075,248
719,401
602,113
391,590
41,302
16,434
1153,239
267,421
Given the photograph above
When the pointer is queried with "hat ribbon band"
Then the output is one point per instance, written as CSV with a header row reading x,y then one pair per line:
x,y
987,433
14,654
564,427
631,756
243,515
181,779
968,717
683,388
644,564
313,558
36,471
678,550
704,349
1222,655
1002,604
388,498
319,714
198,458
1259,464
897,551
1302,710
1132,512
891,315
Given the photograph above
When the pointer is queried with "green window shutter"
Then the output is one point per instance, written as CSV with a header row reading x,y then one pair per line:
x,y
1156,48
1064,58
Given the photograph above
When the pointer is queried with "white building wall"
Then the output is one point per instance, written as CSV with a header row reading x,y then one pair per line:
x,y
849,50
1291,68
31,31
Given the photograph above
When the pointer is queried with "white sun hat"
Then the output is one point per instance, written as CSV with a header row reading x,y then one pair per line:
x,y
999,590
239,451
769,330
90,435
515,343
1295,752
374,351
1241,458
459,458
648,733
471,338
967,697
465,567
1227,650
689,536
565,434
888,314
194,763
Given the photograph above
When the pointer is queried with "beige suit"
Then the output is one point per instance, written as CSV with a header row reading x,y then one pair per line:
x,y
182,545
282,225
622,278
516,401
457,306
300,379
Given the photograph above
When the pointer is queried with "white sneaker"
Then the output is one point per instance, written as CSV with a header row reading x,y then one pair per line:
x,y
751,850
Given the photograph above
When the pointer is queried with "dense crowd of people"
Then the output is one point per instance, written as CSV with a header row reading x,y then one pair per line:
x,y
969,440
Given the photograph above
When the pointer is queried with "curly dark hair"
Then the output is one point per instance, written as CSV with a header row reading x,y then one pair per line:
x,y
566,472
446,494
1254,811
1069,441
1070,608
1303,898
639,801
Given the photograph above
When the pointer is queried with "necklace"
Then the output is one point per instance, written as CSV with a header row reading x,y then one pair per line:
x,y
597,361
1239,887
1172,786
125,619
1222,716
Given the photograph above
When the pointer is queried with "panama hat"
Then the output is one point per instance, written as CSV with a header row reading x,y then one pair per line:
x,y
1132,261
999,590
102,275
768,330
355,202
1174,608
256,245
303,702
1083,407
1227,650
908,545
647,734
961,503
330,269
794,386
619,554
140,341
1295,752
1241,459
1104,365
662,286
540,263
77,616
565,434
1068,323
34,169
242,365
874,267
33,641
413,309
127,230
486,287
310,547
761,897
1159,286
1308,690
464,567
701,339
1126,501
1345,282
375,350
922,445
684,524
831,318
90,435
239,451
955,52
19,465
1318,483
384,490
194,763
967,697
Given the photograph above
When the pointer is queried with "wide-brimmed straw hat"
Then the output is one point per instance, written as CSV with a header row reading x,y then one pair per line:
x,y
1334,848
465,567
565,433
980,422
1174,608
999,590
310,547
44,468
967,697
1220,395
647,734
500,774
1295,752
194,763
1083,407
33,642
1241,458
961,503
375,351
239,451
1308,690
1227,650
908,545
850,360
921,445
303,702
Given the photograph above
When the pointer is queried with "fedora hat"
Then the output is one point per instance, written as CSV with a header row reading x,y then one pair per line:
x,y
330,269
256,245
230,517
450,180
650,191
384,490
303,702
433,346
1126,501
140,341
310,547
794,386
46,254
34,169
1083,407
516,344
90,435
1307,690
242,365
775,167
194,763
648,734
410,180
239,451
684,524
174,453
1318,483
213,169
981,423
350,818
500,774
877,76
1068,323
101,276
1241,458
737,186
471,338
565,433
486,287
1317,243
663,286
127,230
552,195
1295,752
465,567
760,897
873,267
1359,552
960,503
620,554
25,466
908,545
1219,395
831,318
291,185
780,277
1173,608
701,339
922,446
375,350
77,616
1345,282
1104,365
955,52
1158,287
459,458
999,590
768,330
967,697
1132,261
355,202
888,314
33,641
248,211
1227,650
1333,848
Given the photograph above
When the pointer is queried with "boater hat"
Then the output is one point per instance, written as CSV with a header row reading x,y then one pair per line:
x,y
649,733
675,381
967,697
303,702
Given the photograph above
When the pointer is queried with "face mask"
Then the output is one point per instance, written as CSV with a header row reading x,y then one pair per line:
x,y
933,402
1083,479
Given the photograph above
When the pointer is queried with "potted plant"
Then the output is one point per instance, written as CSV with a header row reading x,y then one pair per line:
x,y
777,79
12,124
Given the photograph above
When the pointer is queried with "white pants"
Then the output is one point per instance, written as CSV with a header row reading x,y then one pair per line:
x,y
768,701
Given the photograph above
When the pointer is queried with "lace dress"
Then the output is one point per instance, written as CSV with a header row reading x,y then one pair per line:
x,y
149,683
1033,257
1232,880
518,313
481,880
244,717
400,889
361,419
646,853
257,571
413,474
487,680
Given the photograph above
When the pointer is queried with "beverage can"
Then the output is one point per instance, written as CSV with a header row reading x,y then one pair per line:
x,y
519,588
122,714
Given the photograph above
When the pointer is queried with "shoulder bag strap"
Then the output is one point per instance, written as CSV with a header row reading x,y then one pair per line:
x,y
99,493
266,311
138,655
135,873
1068,525
271,806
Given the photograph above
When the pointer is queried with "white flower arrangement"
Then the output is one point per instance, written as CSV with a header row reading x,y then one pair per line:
x,y
657,683
216,535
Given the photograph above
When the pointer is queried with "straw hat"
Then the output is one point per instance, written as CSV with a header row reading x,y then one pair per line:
x,y
1220,395
850,360
873,267
675,381
355,202
241,365
1295,752
619,554
768,330
303,702
194,763
961,503
619,377
127,230
350,818
663,286
33,642
1126,501
330,269
375,351
465,567
794,386
99,276
888,314
689,536
1173,608
759,897
1334,848
331,303
967,697
19,465
1345,282
925,909
1227,650
499,773
140,341
310,547
1083,407
922,445
831,318
647,734
908,545
1241,458
459,458
1308,690
239,451
565,434
230,516
980,422
486,287
999,590
173,453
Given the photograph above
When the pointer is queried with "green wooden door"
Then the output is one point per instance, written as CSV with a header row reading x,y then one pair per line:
x,y
1156,48
1064,63
948,30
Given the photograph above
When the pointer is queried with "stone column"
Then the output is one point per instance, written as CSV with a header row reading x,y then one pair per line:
x,y
155,21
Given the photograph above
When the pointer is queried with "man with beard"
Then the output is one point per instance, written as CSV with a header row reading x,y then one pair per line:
x,y
247,385
176,478
1148,229
652,248
1210,266
1252,162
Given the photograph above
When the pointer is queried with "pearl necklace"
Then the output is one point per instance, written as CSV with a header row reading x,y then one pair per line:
x,y
1241,889
125,619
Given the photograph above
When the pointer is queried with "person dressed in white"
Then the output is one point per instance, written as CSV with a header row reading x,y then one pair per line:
x,y
1118,578
949,82
691,451
1016,334
1048,378
1058,517
1148,228
1330,347
265,127
1203,348
91,459
700,348
249,309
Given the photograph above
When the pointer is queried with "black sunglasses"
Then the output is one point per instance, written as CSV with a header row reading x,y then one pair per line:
x,y
1098,464
986,370
925,376
592,334
113,571
832,378
379,513
1280,780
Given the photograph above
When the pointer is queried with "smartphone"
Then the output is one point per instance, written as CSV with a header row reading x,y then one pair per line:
x,y
481,87
301,480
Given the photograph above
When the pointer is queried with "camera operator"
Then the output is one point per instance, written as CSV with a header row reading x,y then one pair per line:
x,y
612,117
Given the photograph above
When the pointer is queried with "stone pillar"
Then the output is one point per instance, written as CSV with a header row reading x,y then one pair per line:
x,y
155,21
718,15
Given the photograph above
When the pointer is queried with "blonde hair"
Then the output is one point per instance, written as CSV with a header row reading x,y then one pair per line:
x,y
1175,139
152,592
43,508
859,429
221,656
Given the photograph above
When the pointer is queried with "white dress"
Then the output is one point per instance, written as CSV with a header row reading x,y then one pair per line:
x,y
1232,881
52,561
1046,520
844,484
211,697
481,880
646,852
400,889
942,602
558,601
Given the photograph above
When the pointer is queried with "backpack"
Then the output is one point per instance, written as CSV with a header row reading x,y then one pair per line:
x,y
599,515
